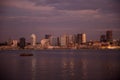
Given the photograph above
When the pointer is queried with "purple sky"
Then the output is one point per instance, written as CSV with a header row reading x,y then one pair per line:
x,y
21,18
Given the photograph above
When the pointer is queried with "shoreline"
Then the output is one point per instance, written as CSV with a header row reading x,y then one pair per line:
x,y
14,49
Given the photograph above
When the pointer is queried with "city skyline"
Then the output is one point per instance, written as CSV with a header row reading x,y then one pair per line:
x,y
21,18
33,39
75,41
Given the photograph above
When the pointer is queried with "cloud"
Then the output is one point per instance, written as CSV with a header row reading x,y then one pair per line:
x,y
57,7
59,15
79,4
25,8
31,6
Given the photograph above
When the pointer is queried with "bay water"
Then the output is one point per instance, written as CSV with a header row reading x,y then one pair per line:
x,y
84,64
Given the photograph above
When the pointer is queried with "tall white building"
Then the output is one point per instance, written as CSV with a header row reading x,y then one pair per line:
x,y
83,38
33,36
64,40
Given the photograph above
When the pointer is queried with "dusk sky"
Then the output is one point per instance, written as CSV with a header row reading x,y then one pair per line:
x,y
21,18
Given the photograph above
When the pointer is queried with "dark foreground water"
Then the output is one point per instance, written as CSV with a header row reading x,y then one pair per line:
x,y
60,65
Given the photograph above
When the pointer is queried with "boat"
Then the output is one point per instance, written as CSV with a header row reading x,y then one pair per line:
x,y
26,54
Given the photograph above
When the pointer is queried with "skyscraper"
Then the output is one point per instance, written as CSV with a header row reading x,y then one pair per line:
x,y
71,39
47,36
63,40
33,36
83,38
22,43
109,36
78,38
102,38
53,41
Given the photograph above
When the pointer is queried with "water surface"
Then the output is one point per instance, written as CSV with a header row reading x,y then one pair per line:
x,y
60,65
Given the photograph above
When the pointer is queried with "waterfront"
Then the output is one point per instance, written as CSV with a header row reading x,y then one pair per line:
x,y
83,64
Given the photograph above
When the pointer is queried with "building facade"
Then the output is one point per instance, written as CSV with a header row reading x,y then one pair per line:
x,y
22,42
33,36
109,37
47,36
102,38
63,40
83,38
54,41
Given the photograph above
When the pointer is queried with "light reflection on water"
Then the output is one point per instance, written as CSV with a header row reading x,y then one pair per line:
x,y
60,65
33,68
68,68
84,68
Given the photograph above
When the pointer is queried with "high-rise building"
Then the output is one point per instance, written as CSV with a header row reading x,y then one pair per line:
x,y
64,40
109,36
78,38
47,36
53,41
22,43
33,36
102,38
75,39
83,38
58,41
71,39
